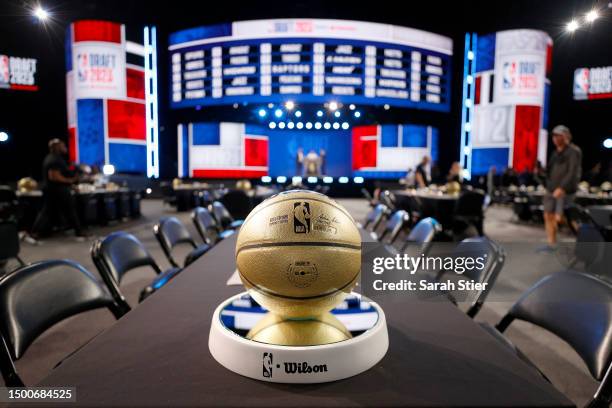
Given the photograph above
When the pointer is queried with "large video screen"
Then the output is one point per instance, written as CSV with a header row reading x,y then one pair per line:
x,y
310,61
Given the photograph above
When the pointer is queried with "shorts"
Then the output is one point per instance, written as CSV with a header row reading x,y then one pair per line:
x,y
556,205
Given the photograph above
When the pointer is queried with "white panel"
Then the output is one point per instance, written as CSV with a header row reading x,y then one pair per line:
x,y
135,48
215,157
99,70
542,146
400,159
231,134
492,126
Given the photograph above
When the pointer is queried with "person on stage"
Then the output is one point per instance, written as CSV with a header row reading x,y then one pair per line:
x,y
299,161
421,176
455,173
563,174
58,201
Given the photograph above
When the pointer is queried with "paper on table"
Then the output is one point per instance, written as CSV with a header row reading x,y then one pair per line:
x,y
234,279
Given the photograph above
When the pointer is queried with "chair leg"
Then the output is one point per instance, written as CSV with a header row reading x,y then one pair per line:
x,y
504,323
7,367
603,395
20,260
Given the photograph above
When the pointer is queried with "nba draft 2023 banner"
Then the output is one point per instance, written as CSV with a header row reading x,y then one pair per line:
x,y
18,73
106,96
510,100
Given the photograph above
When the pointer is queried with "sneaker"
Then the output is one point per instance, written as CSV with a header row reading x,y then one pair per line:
x,y
547,249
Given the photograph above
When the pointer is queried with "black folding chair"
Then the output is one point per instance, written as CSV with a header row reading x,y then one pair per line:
x,y
468,212
9,244
374,217
418,242
36,297
223,216
494,259
119,253
394,225
577,307
171,232
237,203
207,226
388,199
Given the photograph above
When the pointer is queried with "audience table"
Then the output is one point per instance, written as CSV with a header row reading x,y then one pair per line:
x,y
428,204
157,355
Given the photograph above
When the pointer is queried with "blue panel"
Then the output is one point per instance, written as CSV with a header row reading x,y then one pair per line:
x,y
68,48
90,128
128,158
546,106
435,149
199,33
283,145
414,136
388,136
485,53
206,134
380,174
255,130
483,159
185,152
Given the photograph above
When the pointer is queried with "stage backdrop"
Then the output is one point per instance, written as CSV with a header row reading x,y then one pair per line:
x,y
237,150
105,84
507,104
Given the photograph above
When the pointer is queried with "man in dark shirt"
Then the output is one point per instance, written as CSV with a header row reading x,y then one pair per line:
x,y
421,175
57,196
562,177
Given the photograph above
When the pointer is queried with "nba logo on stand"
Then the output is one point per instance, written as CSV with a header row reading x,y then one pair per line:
x,y
267,365
301,217
4,69
82,67
581,83
509,75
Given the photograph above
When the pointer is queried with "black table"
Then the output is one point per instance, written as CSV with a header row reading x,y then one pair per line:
x,y
157,355
602,214
439,206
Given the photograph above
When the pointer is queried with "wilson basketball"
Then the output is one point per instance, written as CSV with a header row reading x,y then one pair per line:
x,y
299,253
323,329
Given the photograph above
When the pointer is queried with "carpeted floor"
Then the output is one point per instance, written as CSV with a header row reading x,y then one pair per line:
x,y
524,266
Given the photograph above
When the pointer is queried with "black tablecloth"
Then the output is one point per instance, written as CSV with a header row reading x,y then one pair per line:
x,y
157,355
441,208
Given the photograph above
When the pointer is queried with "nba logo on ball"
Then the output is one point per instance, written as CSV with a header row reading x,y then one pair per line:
x,y
267,365
301,217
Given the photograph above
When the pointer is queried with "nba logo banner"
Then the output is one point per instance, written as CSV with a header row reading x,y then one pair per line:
x,y
4,70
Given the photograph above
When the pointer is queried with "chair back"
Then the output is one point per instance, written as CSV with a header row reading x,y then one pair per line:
x,y
493,263
9,241
37,296
206,225
374,217
170,232
393,226
388,199
470,203
237,203
421,236
575,306
221,214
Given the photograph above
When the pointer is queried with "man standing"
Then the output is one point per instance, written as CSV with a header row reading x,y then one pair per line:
x,y
57,197
421,174
562,177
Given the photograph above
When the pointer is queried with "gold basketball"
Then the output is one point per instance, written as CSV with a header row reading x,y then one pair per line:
x,y
324,329
299,253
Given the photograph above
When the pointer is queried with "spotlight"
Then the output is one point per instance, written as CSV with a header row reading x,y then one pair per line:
x,y
149,190
40,13
327,125
468,103
290,125
608,143
4,137
108,169
262,113
289,105
296,179
281,125
591,16
319,113
343,180
278,113
272,125
345,125
333,106
270,105
299,125
312,179
281,179
572,26
298,114
352,106
235,106
337,114
266,179
470,55
336,125
358,180
328,179
318,125
357,114
308,125
469,79
386,106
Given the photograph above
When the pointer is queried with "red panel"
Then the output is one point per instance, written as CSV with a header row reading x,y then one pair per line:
x,y
364,151
600,96
548,60
477,90
228,173
72,145
526,133
255,152
126,120
135,83
24,87
97,30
